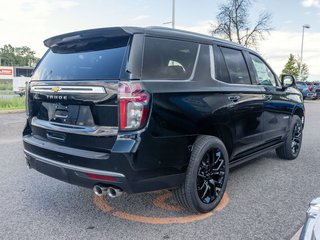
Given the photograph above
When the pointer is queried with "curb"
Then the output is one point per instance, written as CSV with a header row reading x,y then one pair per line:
x,y
12,111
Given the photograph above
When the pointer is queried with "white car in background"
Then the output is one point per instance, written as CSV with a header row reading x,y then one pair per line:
x,y
19,84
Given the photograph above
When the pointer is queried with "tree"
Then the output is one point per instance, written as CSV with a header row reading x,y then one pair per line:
x,y
17,56
304,72
293,67
233,23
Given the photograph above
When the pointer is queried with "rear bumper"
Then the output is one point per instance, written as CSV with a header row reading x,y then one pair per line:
x,y
73,174
76,166
311,95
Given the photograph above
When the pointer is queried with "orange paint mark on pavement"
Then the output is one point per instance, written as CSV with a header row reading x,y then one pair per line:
x,y
102,204
160,202
223,203
157,220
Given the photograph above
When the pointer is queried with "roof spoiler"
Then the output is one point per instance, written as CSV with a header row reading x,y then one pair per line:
x,y
86,34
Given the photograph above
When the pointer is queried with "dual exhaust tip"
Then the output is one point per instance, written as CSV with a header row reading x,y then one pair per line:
x,y
112,192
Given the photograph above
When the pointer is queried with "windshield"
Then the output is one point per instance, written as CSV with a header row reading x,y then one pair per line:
x,y
99,58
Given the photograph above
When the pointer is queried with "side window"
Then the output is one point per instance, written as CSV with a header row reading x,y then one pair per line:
x,y
221,70
236,65
166,59
264,74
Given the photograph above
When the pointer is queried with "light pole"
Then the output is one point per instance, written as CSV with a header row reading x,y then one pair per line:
x,y
173,14
173,20
301,57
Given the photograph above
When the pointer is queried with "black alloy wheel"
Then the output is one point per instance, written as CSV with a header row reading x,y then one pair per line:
x,y
211,175
206,176
296,138
292,144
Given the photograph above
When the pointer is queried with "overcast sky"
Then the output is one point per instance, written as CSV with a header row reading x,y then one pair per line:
x,y
29,22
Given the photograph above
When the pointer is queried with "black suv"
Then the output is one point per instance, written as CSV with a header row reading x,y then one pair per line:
x,y
142,109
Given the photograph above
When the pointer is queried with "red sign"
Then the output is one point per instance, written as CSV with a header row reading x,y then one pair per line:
x,y
5,71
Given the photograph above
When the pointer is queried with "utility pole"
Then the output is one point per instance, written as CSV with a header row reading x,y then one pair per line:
x,y
301,56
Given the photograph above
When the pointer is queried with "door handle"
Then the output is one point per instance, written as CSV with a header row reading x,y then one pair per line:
x,y
268,97
234,98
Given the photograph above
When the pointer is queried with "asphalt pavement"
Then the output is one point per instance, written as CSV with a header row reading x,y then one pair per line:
x,y
266,199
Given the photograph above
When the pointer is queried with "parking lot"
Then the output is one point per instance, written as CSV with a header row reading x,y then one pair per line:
x,y
266,199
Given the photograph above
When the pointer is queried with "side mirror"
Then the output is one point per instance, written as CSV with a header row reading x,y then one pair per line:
x,y
287,80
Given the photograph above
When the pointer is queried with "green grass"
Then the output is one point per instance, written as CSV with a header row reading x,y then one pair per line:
x,y
5,86
7,92
12,103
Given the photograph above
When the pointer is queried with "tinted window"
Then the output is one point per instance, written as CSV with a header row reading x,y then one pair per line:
x,y
236,65
168,59
264,74
99,58
221,70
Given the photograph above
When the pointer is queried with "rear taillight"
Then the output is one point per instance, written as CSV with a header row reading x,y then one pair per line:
x,y
134,106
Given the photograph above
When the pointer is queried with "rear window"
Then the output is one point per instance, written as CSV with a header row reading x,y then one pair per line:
x,y
99,58
166,59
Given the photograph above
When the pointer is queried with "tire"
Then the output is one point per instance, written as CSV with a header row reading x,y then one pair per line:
x,y
206,177
291,148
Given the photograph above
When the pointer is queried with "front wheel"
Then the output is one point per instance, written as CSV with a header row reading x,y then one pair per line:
x,y
206,177
292,145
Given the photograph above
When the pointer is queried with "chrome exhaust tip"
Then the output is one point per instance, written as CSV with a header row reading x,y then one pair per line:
x,y
114,192
100,190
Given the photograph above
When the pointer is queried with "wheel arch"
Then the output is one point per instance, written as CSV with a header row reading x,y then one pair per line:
x,y
299,111
222,132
